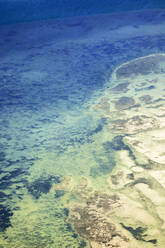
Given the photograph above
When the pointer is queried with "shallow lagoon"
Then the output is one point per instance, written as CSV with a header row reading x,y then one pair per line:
x,y
72,164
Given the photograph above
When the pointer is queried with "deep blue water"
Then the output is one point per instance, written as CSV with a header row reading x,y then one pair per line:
x,y
27,10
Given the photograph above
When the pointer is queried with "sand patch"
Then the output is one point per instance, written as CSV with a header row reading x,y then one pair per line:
x,y
159,176
153,195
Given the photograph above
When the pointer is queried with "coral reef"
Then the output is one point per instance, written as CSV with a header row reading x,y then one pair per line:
x,y
134,212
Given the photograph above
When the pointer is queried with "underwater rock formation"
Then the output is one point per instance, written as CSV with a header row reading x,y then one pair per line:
x,y
92,222
142,66
124,103
138,125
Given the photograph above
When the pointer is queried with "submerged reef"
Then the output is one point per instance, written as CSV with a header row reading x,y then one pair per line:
x,y
92,223
131,212
141,66
124,103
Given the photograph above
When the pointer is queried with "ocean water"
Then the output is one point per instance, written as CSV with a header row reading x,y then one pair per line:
x,y
12,11
56,151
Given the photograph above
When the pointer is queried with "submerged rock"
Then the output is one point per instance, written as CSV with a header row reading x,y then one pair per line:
x,y
142,66
91,222
139,125
146,99
122,87
124,103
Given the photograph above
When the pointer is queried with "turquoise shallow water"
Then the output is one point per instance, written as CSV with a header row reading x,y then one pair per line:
x,y
51,73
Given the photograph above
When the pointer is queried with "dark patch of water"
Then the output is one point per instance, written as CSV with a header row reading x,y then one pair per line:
x,y
2,156
117,144
5,214
66,211
104,167
59,193
42,185
139,233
